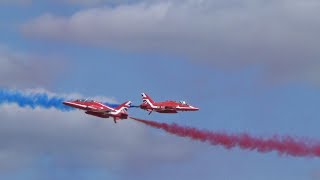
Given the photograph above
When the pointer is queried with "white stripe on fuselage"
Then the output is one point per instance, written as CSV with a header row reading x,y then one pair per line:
x,y
91,107
157,107
188,107
118,111
148,101
106,106
76,104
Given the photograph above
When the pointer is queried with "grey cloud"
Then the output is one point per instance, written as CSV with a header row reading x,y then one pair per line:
x,y
19,69
75,140
103,2
280,36
94,2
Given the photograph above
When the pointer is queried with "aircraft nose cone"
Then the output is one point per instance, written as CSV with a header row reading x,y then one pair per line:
x,y
194,108
66,103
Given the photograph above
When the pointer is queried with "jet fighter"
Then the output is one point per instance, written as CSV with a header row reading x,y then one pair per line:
x,y
165,107
101,110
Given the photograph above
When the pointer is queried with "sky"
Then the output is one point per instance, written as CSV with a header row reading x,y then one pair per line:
x,y
250,66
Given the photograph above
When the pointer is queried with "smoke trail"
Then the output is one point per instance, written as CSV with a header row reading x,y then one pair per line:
x,y
34,100
283,145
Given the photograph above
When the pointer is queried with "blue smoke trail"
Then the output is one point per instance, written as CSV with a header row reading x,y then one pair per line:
x,y
34,100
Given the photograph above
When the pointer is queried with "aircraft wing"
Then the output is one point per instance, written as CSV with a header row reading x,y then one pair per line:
x,y
104,110
100,111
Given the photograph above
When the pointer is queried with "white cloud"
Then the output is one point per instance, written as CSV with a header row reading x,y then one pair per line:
x,y
282,36
76,140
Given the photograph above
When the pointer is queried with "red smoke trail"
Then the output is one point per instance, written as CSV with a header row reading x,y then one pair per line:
x,y
285,145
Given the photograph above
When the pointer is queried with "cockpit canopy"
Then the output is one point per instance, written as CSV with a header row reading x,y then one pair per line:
x,y
84,100
183,102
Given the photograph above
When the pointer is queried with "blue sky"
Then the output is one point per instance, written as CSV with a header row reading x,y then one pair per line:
x,y
250,67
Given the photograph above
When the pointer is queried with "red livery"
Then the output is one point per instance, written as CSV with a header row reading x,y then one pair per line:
x,y
166,106
98,109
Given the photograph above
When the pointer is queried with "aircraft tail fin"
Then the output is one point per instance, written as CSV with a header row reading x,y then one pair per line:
x,y
146,99
124,106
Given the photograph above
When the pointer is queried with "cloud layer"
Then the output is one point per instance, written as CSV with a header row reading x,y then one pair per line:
x,y
74,140
18,69
280,36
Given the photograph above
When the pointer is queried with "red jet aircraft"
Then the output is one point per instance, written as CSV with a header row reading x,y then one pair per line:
x,y
101,110
166,106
